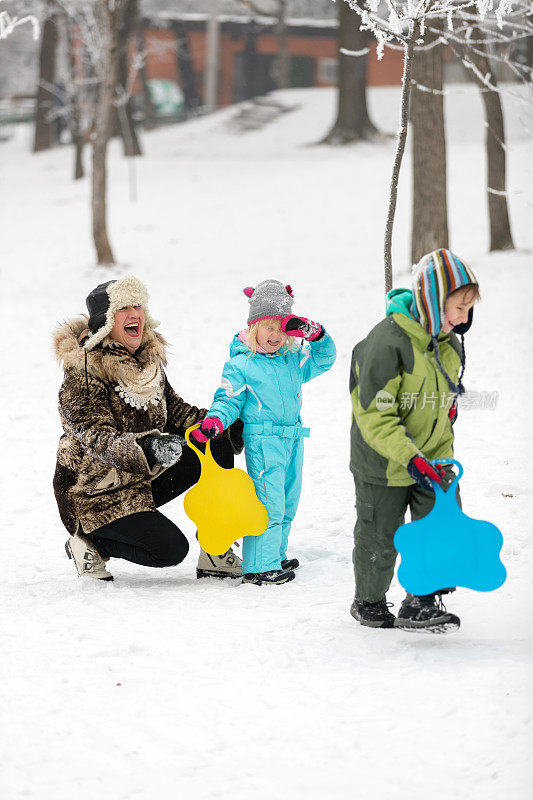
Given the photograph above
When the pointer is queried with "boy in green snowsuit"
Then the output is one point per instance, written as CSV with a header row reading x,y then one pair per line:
x,y
404,382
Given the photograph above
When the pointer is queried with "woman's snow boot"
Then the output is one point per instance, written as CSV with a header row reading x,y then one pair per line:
x,y
87,559
227,565
426,614
373,615
274,576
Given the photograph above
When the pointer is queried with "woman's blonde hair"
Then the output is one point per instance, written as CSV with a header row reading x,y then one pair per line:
x,y
292,342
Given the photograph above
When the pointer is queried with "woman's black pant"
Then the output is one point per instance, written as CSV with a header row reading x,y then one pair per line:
x,y
148,537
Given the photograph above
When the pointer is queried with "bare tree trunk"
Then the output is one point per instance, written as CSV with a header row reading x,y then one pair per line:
x,y
282,67
500,226
103,128
188,78
429,229
400,148
150,113
74,111
250,61
282,75
128,132
353,122
45,133
79,170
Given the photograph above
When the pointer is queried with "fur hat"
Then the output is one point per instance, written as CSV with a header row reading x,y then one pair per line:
x,y
107,298
269,300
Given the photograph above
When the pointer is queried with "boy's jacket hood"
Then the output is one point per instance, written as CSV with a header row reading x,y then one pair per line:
x,y
399,307
400,301
109,358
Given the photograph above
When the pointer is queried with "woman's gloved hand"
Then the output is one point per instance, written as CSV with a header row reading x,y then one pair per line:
x,y
234,434
424,472
301,327
210,427
161,448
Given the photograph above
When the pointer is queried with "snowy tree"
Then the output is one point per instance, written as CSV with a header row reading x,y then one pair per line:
x,y
429,218
484,48
98,87
352,121
478,57
108,19
128,29
46,100
407,22
79,92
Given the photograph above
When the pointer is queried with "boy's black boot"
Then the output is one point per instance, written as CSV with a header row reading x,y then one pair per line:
x,y
373,615
274,576
290,563
426,614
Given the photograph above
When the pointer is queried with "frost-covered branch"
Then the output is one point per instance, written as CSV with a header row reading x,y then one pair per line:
x,y
409,23
8,23
403,14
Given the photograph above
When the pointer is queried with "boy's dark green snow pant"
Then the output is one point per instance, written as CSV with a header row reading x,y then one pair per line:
x,y
380,511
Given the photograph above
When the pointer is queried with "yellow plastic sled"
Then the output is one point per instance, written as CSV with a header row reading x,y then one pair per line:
x,y
223,504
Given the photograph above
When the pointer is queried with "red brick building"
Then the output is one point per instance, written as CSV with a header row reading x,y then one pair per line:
x,y
176,51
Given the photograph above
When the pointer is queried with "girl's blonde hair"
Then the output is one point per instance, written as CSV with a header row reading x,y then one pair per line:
x,y
292,342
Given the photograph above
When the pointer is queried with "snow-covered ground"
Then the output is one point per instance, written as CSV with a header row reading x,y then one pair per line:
x,y
162,686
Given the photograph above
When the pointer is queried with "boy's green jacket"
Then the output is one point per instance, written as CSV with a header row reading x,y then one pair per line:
x,y
400,398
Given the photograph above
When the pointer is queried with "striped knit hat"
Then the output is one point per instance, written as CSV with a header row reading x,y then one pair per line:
x,y
436,276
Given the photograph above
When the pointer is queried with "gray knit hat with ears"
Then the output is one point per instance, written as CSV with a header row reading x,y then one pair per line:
x,y
269,300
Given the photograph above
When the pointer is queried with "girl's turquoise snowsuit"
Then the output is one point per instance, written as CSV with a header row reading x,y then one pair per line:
x,y
264,390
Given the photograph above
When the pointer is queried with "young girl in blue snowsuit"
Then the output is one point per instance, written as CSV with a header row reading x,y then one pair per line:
x,y
261,385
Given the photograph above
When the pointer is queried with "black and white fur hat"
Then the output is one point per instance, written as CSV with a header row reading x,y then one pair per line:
x,y
106,299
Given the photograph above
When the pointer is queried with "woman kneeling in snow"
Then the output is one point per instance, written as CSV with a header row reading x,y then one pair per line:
x,y
122,453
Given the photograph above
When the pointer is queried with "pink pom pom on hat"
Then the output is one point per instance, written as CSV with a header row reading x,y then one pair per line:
x,y
269,300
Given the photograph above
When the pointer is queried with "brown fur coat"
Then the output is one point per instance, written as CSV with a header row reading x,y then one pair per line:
x,y
101,472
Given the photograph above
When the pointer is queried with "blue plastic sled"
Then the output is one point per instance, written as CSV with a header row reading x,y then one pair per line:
x,y
446,548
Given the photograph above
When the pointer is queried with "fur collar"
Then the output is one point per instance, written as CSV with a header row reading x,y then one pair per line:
x,y
109,361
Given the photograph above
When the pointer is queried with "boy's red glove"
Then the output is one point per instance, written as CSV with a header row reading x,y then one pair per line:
x,y
302,327
210,427
452,413
424,472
